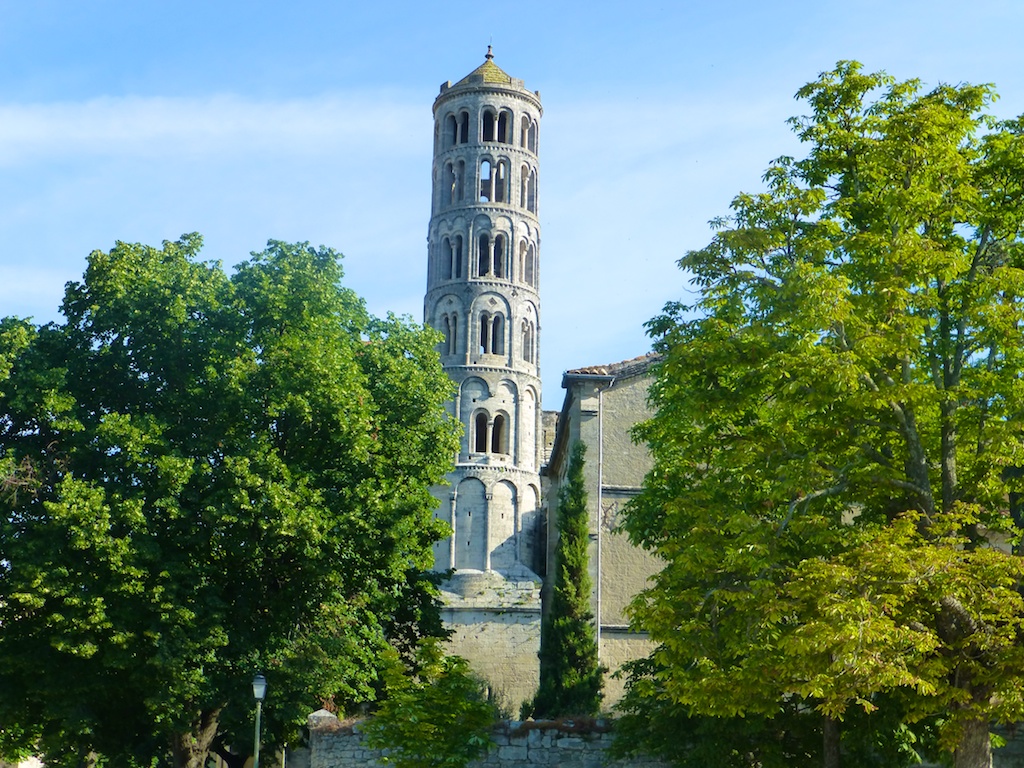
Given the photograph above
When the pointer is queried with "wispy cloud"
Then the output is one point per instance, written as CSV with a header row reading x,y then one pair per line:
x,y
135,125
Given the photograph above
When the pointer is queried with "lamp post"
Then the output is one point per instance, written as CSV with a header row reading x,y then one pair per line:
x,y
259,692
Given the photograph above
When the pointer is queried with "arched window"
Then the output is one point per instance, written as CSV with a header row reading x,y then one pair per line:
x,y
531,144
504,123
485,334
497,335
492,334
488,125
457,257
528,352
499,438
501,182
446,259
486,182
483,266
530,268
452,333
531,192
498,259
454,186
463,128
451,131
480,433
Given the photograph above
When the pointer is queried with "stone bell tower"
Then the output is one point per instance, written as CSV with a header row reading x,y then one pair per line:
x,y
482,295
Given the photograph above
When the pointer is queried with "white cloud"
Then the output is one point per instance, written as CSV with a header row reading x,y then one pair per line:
x,y
626,188
159,126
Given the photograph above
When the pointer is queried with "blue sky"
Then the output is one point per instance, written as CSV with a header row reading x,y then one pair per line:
x,y
139,120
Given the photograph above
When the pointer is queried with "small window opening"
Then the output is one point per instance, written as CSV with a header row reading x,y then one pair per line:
x,y
486,182
451,131
451,184
453,337
498,435
530,272
528,341
446,259
446,329
488,125
484,256
504,117
498,335
457,257
501,182
480,433
498,261
463,128
485,334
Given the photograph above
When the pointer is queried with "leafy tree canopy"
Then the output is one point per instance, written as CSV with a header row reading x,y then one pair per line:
x,y
435,714
207,476
838,436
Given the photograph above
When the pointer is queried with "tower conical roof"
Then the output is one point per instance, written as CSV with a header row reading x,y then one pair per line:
x,y
488,72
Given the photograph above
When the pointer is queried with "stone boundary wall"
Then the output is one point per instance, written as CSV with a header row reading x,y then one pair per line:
x,y
542,744
516,745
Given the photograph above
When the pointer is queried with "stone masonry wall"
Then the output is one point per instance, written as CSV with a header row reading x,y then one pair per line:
x,y
516,745
528,745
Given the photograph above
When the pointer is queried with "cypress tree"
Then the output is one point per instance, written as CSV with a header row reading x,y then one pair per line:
x,y
570,675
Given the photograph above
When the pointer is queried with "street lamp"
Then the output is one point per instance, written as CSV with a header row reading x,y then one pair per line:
x,y
259,692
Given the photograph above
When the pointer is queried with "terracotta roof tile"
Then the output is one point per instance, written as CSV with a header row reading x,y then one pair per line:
x,y
631,367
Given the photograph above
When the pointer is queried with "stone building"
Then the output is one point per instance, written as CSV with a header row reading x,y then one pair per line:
x,y
482,295
483,279
602,403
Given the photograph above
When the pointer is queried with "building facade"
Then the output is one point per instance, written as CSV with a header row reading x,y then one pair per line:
x,y
482,294
602,404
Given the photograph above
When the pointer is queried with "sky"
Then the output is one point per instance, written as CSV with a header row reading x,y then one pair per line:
x,y
139,120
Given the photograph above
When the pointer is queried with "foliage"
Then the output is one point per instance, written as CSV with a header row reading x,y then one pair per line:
x,y
570,675
652,723
839,425
435,713
205,477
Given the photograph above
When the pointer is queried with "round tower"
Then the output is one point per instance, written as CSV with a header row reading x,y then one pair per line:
x,y
482,294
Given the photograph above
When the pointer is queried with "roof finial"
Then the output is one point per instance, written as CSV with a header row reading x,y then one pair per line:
x,y
489,54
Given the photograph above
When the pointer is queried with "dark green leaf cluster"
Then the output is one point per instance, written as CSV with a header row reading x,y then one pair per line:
x,y
205,476
651,722
571,678
435,714
840,424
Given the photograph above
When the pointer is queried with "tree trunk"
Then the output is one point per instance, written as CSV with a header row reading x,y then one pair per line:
x,y
190,750
830,742
974,749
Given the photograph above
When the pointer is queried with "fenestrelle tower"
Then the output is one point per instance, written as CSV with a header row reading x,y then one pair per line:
x,y
482,295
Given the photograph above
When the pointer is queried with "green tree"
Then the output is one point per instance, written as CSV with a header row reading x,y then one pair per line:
x,y
205,477
435,713
839,419
570,675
